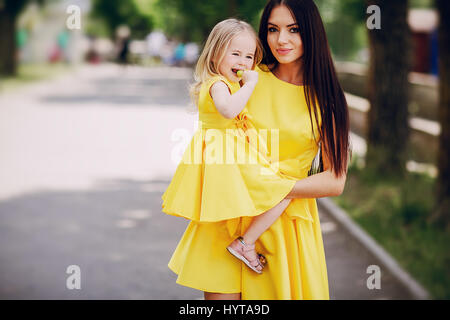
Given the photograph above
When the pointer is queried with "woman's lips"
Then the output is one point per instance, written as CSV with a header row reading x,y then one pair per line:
x,y
283,51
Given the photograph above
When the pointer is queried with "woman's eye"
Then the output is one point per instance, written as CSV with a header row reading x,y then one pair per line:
x,y
271,29
294,30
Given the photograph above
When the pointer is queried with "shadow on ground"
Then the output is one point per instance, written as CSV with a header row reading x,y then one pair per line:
x,y
114,232
117,92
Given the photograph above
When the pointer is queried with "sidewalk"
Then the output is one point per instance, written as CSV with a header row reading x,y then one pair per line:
x,y
85,160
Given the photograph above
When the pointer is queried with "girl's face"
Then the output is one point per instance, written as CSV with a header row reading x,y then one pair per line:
x,y
283,36
240,55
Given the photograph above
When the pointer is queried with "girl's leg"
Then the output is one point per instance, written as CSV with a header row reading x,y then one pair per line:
x,y
262,222
257,227
222,296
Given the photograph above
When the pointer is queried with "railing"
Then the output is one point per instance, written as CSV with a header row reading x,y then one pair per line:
x,y
423,108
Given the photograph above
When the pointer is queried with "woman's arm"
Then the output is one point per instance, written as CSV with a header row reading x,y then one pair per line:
x,y
324,184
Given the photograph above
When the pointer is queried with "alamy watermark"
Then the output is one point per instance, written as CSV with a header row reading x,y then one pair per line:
x,y
373,21
74,280
73,21
228,146
374,280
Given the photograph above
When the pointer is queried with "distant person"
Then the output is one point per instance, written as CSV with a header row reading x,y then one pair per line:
x,y
21,42
179,55
92,55
155,42
58,51
124,50
167,53
123,44
191,53
63,42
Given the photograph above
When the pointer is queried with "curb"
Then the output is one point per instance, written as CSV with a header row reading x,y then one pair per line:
x,y
416,290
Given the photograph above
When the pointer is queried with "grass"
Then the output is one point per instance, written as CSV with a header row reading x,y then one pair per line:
x,y
396,214
29,73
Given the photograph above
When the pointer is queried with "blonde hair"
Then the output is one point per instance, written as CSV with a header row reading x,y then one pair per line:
x,y
214,51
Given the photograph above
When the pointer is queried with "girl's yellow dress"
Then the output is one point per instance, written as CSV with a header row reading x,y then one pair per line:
x,y
220,200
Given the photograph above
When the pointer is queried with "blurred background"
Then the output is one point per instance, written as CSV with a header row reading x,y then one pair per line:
x,y
95,114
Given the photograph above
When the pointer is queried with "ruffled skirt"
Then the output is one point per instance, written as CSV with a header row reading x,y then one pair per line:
x,y
219,184
293,247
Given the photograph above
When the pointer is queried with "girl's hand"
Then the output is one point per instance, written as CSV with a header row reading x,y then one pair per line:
x,y
250,76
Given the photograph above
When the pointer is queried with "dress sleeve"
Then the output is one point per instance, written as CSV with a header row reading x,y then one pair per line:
x,y
213,80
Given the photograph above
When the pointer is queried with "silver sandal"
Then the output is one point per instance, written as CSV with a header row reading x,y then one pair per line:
x,y
238,248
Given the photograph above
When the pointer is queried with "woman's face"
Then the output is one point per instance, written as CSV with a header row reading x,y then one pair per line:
x,y
283,36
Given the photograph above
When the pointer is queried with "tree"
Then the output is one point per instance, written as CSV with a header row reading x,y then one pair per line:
x,y
118,12
344,22
9,11
442,212
193,20
390,60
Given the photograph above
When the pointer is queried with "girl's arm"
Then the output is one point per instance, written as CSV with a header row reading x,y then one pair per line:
x,y
230,105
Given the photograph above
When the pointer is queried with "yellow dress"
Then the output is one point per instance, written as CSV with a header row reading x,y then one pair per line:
x,y
224,174
293,245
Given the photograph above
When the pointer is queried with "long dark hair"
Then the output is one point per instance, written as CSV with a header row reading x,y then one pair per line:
x,y
319,76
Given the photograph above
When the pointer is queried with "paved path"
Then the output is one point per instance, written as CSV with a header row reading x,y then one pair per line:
x,y
84,161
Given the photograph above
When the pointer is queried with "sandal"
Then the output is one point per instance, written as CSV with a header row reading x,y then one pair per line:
x,y
238,248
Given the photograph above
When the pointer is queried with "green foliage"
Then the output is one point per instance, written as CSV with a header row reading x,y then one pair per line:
x,y
417,198
118,12
396,214
97,27
193,20
344,22
14,7
9,12
421,3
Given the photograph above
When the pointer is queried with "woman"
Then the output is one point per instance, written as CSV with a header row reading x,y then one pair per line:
x,y
299,97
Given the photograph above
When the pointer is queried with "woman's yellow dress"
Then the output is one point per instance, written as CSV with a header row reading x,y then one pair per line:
x,y
293,245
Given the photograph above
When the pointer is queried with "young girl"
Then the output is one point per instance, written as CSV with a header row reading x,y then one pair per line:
x,y
212,183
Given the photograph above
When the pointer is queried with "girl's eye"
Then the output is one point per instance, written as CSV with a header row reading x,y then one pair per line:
x,y
249,57
235,54
272,29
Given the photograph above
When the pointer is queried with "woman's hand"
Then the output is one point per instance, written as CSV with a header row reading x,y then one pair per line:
x,y
323,184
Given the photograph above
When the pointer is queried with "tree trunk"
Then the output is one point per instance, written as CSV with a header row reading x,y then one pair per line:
x,y
442,211
232,8
390,57
8,61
